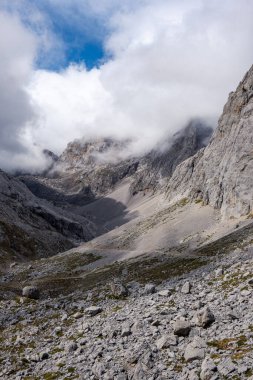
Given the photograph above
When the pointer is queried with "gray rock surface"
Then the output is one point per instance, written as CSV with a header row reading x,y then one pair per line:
x,y
182,328
31,228
221,173
31,292
195,350
43,339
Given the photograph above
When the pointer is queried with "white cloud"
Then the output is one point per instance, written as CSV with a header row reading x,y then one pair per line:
x,y
171,61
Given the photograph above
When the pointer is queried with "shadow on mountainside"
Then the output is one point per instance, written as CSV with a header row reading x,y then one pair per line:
x,y
107,214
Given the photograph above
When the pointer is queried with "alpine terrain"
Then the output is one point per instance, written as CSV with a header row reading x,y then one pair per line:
x,y
123,267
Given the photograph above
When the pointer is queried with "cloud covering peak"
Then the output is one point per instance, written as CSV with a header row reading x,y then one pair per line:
x,y
167,63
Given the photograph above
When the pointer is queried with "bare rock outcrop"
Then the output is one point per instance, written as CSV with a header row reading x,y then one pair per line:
x,y
31,227
221,173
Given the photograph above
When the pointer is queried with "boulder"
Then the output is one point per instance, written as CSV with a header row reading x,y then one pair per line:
x,y
182,328
149,289
119,290
166,341
93,310
195,350
31,292
186,288
204,317
208,368
226,367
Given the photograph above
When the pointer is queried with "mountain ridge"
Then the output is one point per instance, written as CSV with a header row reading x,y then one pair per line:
x,y
220,174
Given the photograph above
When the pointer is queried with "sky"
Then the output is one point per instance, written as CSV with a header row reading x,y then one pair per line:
x,y
141,70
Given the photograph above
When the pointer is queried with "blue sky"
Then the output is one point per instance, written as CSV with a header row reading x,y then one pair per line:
x,y
79,31
83,37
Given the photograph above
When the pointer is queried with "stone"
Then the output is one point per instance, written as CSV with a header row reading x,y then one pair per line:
x,y
226,367
71,347
182,328
193,375
149,289
31,292
166,341
77,315
218,272
119,290
207,369
98,369
140,372
195,350
44,356
93,310
164,293
126,330
204,317
186,288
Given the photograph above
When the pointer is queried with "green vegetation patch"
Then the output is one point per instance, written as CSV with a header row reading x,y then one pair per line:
x,y
239,345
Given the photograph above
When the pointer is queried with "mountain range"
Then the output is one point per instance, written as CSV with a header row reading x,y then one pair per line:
x,y
99,218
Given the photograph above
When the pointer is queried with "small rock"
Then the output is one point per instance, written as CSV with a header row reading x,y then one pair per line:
x,y
31,292
226,367
186,288
78,315
44,356
193,375
164,293
119,290
71,347
98,370
182,328
93,310
195,350
166,341
218,272
149,289
207,369
57,330
126,330
204,317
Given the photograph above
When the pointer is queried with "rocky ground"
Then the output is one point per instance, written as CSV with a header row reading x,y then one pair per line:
x,y
164,291
196,326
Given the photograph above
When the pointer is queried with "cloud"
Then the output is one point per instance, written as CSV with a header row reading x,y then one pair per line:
x,y
170,61
17,48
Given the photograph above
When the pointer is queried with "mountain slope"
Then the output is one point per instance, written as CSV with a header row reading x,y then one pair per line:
x,y
221,174
86,171
31,228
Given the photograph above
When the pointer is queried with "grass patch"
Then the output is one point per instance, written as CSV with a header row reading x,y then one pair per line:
x,y
51,375
239,345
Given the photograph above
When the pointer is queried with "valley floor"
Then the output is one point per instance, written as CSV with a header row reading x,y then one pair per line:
x,y
111,308
198,325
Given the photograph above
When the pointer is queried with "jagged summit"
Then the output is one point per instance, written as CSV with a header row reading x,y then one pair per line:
x,y
96,167
221,174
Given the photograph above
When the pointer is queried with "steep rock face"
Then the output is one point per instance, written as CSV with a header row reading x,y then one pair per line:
x,y
31,228
85,170
88,170
159,164
221,174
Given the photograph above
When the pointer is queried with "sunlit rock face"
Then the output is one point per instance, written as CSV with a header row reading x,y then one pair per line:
x,y
221,174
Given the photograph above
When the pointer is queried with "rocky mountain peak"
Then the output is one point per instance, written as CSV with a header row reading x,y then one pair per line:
x,y
85,155
221,174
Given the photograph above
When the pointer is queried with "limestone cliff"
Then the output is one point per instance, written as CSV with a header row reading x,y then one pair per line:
x,y
221,174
